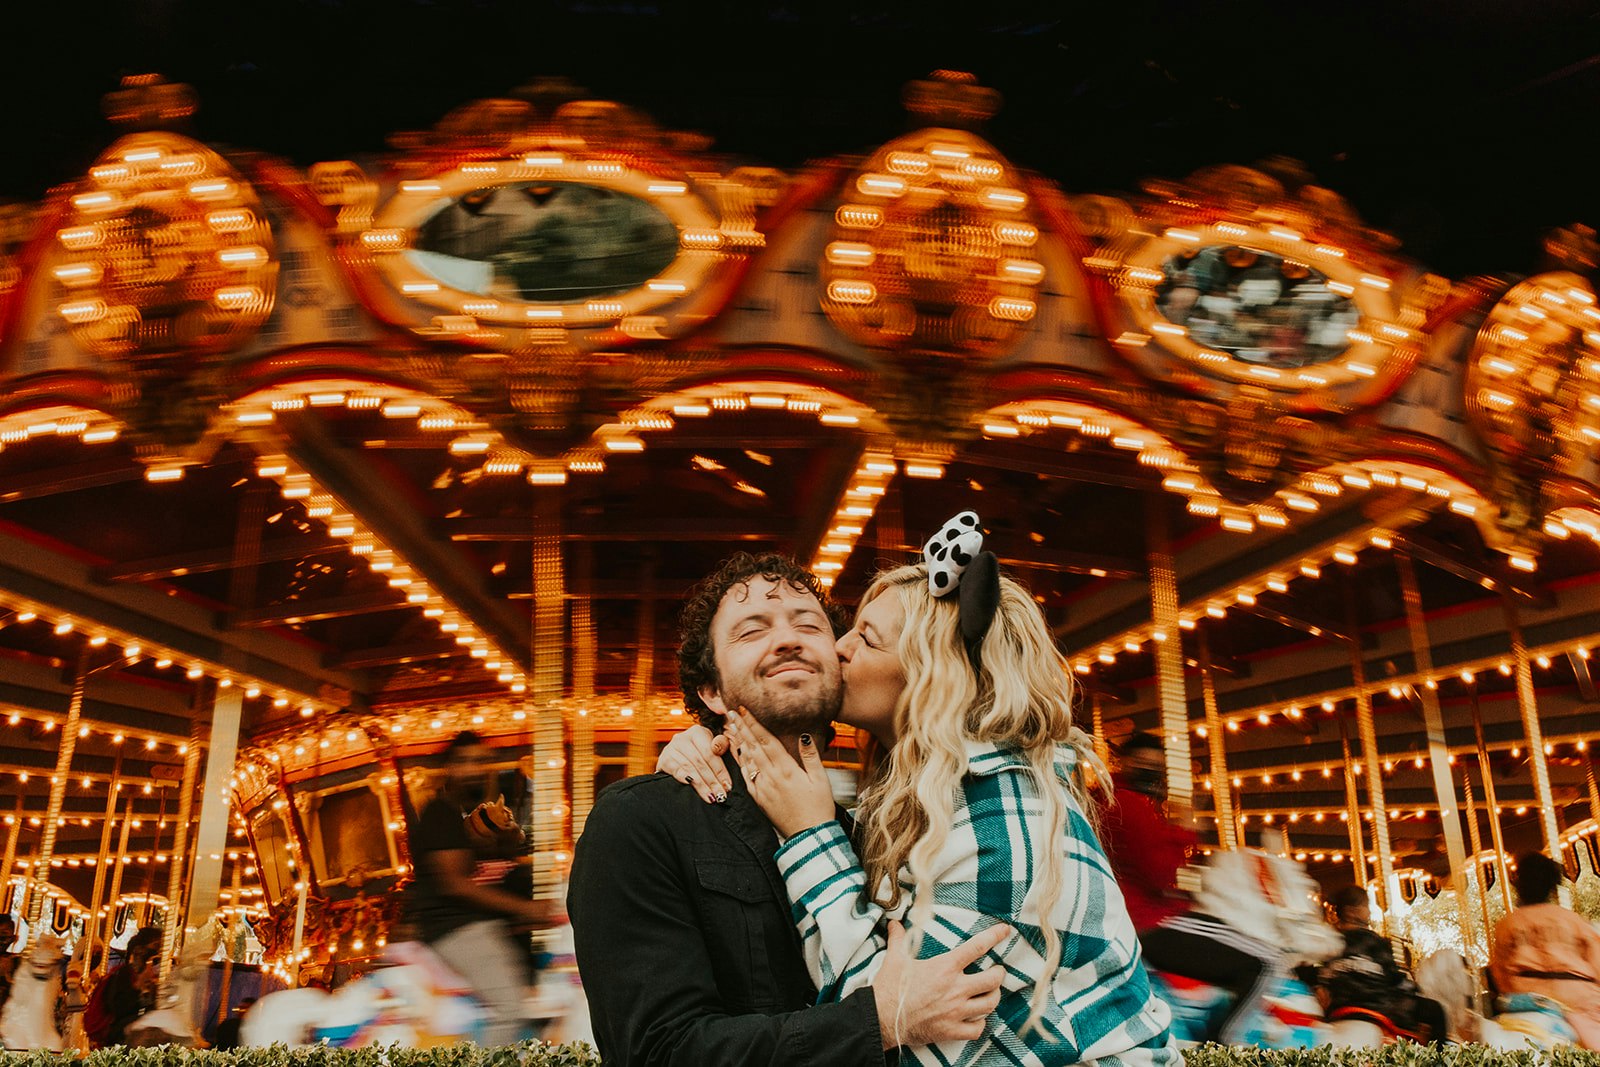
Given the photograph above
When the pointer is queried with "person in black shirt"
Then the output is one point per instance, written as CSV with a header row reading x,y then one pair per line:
x,y
228,1029
465,920
1365,978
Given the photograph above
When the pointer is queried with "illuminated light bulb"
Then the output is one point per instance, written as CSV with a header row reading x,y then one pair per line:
x,y
194,673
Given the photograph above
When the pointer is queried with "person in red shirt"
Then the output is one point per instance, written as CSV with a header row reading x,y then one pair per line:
x,y
1145,847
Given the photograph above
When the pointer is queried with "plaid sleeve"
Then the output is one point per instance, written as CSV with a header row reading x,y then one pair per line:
x,y
841,928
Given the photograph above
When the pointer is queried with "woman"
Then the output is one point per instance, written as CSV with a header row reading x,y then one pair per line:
x,y
976,816
1544,948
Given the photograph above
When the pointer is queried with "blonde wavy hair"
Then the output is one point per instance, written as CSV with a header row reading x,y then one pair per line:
x,y
1021,699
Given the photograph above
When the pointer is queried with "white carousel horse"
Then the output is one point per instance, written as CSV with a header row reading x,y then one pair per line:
x,y
172,1020
415,1001
1524,1021
558,996
29,1018
1271,899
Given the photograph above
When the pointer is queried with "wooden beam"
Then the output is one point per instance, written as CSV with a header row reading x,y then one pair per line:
x,y
374,495
178,564
63,583
51,480
512,528
295,612
398,655
1476,570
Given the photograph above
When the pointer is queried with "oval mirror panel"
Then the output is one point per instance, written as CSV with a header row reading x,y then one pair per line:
x,y
1257,307
545,242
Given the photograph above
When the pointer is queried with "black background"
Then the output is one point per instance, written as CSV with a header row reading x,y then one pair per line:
x,y
1465,127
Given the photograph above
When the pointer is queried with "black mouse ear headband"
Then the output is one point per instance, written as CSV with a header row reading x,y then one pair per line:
x,y
957,563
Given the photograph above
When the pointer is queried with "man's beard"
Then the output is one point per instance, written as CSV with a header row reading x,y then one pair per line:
x,y
786,712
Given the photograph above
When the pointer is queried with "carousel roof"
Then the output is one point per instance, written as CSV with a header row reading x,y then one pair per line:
x,y
456,427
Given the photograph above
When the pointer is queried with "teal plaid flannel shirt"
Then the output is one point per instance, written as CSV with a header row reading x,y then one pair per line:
x,y
1103,1010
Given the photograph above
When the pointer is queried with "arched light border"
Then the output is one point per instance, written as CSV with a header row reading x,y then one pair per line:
x,y
1381,344
702,243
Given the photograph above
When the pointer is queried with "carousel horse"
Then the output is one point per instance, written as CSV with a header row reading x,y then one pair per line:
x,y
1522,1020
73,1001
413,1000
29,1018
1272,900
172,1020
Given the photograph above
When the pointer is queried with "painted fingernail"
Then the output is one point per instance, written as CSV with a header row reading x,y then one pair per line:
x,y
805,739
721,798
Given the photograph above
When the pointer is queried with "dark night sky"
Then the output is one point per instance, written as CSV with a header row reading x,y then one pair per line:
x,y
1467,127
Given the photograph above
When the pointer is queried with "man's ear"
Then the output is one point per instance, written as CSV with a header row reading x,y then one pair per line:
x,y
713,699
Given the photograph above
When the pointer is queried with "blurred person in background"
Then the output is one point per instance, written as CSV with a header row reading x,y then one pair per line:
x,y
1366,978
227,1036
461,918
127,992
1145,847
8,959
1549,950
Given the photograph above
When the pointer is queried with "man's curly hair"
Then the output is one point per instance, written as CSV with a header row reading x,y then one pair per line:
x,y
697,664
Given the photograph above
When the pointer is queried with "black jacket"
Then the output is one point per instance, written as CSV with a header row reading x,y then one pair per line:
x,y
685,943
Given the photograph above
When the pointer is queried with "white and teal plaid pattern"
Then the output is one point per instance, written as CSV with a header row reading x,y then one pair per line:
x,y
1104,1010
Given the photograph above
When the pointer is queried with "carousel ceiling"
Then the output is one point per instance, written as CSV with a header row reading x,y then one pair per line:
x,y
459,426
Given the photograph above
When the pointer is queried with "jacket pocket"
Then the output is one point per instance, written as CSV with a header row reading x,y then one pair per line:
x,y
739,908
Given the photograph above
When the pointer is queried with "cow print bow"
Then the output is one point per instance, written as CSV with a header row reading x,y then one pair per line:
x,y
956,561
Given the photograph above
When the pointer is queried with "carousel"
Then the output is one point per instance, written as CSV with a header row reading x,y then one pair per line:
x,y
303,471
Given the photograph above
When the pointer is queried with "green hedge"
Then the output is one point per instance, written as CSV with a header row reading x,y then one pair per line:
x,y
1402,1054
527,1054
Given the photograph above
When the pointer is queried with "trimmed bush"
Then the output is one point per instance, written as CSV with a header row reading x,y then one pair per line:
x,y
527,1054
1402,1054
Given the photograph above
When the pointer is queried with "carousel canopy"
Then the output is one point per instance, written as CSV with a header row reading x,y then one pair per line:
x,y
389,445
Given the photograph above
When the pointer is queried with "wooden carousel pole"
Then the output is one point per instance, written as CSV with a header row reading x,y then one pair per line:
x,y
1474,871
1444,789
1594,790
115,893
1529,707
1097,724
549,655
1491,802
642,731
10,860
234,917
1352,801
584,661
1168,640
1368,733
211,836
177,865
92,927
58,790
1221,789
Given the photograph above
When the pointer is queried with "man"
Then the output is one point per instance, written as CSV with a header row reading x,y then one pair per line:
x,y
462,919
685,942
1365,978
1146,850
